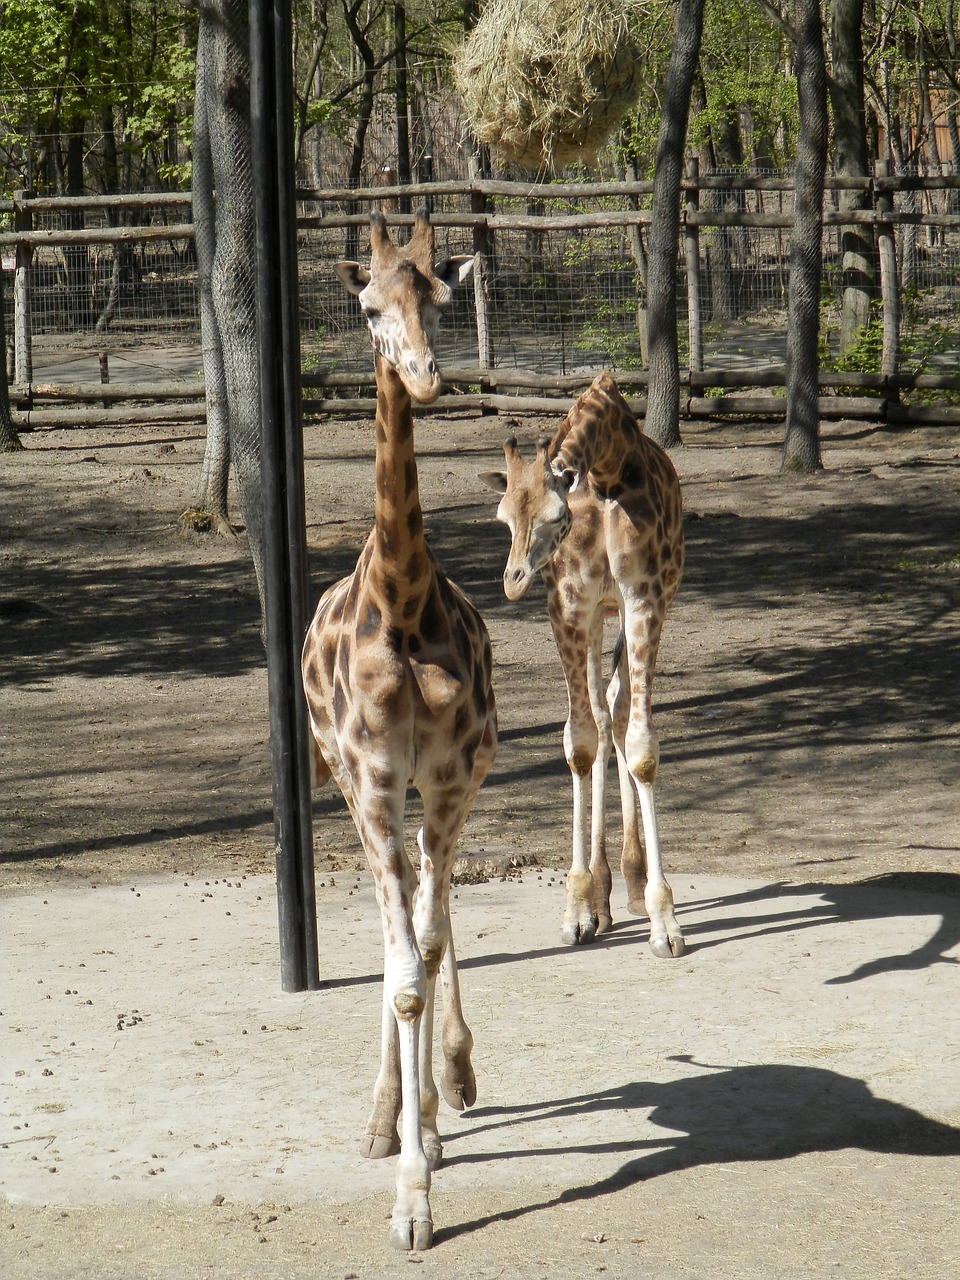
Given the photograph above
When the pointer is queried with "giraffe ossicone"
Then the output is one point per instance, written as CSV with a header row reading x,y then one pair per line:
x,y
397,676
597,514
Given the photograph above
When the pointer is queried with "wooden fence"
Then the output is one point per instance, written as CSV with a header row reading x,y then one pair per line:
x,y
486,217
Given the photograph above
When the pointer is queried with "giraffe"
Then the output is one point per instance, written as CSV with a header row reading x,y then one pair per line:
x,y
598,514
397,675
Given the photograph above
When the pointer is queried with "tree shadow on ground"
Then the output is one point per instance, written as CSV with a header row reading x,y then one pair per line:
x,y
725,1115
116,619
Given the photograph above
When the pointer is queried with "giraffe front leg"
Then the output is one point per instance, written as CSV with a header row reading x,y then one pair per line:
x,y
579,648
666,936
407,987
411,1222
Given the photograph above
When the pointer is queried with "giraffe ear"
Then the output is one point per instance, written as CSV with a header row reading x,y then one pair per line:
x,y
568,477
495,480
453,271
352,276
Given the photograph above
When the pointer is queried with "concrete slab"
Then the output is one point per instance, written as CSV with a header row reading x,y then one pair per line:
x,y
807,1048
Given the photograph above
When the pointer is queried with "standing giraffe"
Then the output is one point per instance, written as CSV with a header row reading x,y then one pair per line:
x,y
598,513
397,675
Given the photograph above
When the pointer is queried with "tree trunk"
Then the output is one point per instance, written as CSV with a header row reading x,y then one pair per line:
x,y
229,314
402,101
663,402
931,148
9,440
850,160
727,148
638,253
364,115
210,500
953,128
123,261
76,261
801,446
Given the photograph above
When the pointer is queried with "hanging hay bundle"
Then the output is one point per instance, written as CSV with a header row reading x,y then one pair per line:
x,y
545,81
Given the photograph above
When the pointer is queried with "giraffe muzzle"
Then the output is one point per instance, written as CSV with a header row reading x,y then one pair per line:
x,y
421,377
516,582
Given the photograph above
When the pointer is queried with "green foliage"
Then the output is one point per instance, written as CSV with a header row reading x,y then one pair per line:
x,y
75,70
742,86
743,59
865,352
609,331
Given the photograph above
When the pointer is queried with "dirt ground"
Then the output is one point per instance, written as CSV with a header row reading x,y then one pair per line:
x,y
807,697
807,701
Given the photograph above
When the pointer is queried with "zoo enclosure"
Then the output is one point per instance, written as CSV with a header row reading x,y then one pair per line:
x,y
558,294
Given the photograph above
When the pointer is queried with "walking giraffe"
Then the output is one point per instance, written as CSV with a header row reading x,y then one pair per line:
x,y
598,514
397,674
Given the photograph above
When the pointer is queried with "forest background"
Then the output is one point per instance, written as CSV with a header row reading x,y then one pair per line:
x,y
97,95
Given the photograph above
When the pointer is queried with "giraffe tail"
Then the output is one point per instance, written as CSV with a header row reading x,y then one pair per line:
x,y
617,653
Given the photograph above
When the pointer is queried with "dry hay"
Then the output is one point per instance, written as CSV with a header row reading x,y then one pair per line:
x,y
545,81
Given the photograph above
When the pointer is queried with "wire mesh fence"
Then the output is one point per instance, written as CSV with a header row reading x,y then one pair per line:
x,y
561,287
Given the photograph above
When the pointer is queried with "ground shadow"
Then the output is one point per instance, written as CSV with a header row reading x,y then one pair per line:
x,y
903,895
722,1116
886,897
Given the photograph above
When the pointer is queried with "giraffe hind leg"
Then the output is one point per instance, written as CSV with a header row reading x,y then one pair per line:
x,y
458,1083
638,755
381,1138
633,860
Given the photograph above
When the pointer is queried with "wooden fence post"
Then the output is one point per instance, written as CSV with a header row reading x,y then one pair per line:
x,y
889,281
691,256
22,327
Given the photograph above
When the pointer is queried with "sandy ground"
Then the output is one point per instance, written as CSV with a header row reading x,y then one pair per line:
x,y
783,1101
750,1109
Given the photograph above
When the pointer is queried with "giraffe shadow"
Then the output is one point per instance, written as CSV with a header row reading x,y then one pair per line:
x,y
898,895
721,1116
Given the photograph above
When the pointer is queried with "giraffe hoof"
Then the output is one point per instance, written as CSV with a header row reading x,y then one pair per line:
x,y
667,947
636,905
578,934
411,1234
460,1091
433,1150
604,923
377,1146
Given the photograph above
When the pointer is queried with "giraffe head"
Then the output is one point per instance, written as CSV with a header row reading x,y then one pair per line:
x,y
534,508
402,296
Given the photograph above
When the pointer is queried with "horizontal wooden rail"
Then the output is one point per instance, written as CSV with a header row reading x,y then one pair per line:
x,y
107,391
868,408
492,222
545,191
97,235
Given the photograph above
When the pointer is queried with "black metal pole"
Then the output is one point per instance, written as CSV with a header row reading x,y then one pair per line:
x,y
281,461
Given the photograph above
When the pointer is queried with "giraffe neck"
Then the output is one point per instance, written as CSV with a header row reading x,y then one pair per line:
x,y
595,434
400,562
